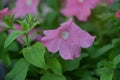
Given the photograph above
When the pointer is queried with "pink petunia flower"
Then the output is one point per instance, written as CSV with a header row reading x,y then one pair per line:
x,y
79,8
4,12
108,1
33,34
25,6
118,15
68,39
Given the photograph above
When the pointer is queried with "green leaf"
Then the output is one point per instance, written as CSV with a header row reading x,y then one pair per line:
x,y
19,71
35,55
116,75
106,48
12,37
69,65
5,58
105,73
105,16
116,60
103,50
54,65
51,76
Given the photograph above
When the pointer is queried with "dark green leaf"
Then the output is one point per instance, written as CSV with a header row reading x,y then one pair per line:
x,y
54,65
116,60
19,71
12,37
51,76
103,50
105,73
35,55
69,65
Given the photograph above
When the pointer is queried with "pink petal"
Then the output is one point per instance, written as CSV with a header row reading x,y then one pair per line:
x,y
50,32
83,14
85,40
52,44
52,40
4,12
69,51
22,8
117,14
92,3
38,38
80,37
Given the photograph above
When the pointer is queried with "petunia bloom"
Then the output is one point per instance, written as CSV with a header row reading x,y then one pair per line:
x,y
79,8
118,15
68,39
25,6
33,34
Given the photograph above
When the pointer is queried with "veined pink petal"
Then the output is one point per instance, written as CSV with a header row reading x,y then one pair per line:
x,y
69,51
52,45
83,38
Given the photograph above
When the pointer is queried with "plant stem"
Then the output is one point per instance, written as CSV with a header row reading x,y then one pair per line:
x,y
27,40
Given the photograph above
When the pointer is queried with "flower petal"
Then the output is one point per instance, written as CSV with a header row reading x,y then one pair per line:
x,y
83,14
52,44
80,37
69,51
92,3
85,39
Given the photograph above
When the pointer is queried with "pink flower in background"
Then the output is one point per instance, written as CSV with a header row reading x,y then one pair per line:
x,y
67,39
108,1
25,6
33,34
118,15
4,12
79,8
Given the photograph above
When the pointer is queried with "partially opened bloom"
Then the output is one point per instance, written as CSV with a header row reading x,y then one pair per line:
x,y
79,8
68,39
4,12
25,6
118,15
33,34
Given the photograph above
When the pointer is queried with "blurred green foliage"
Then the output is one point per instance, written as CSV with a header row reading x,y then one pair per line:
x,y
99,62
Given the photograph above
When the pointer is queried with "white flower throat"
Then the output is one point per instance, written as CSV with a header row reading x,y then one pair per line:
x,y
65,35
81,1
29,2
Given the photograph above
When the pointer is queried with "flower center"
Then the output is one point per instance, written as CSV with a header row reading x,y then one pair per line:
x,y
65,35
29,2
81,1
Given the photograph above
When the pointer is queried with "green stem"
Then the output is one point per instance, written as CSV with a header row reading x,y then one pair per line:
x,y
27,40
